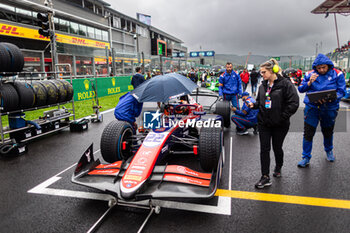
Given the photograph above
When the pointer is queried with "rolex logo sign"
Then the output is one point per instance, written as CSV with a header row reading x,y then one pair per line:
x,y
87,93
86,84
114,89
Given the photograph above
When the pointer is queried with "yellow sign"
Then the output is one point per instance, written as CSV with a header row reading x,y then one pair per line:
x,y
114,90
86,95
86,84
102,60
29,33
80,41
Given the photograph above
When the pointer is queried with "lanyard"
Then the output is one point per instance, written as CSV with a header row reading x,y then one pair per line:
x,y
268,90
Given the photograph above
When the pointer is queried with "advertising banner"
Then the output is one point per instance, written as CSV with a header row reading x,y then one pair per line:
x,y
29,33
105,86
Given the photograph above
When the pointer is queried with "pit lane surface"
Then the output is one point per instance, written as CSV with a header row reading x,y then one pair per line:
x,y
37,195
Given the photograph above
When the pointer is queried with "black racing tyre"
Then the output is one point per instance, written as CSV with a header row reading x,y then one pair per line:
x,y
25,93
16,58
111,141
62,92
210,143
52,92
4,58
69,89
40,94
9,97
223,109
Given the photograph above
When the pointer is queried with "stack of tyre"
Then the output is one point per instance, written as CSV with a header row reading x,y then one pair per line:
x,y
24,95
18,95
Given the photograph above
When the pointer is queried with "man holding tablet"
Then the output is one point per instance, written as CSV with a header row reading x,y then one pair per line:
x,y
323,77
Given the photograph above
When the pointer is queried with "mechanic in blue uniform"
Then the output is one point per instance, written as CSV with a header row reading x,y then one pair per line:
x,y
127,109
323,77
230,86
247,118
138,78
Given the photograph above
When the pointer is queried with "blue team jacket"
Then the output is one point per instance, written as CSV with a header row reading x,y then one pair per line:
x,y
252,114
333,79
128,108
232,84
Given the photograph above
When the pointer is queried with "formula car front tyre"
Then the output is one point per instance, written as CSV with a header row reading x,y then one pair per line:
x,y
210,144
112,139
223,109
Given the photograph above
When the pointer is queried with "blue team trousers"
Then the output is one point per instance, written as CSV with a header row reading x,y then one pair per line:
x,y
233,98
326,118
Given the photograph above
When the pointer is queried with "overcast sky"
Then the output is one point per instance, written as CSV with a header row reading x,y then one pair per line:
x,y
263,27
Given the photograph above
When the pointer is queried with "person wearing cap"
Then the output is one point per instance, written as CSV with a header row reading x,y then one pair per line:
x,y
277,101
247,117
323,77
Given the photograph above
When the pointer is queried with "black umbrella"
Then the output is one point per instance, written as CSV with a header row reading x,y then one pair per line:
x,y
162,88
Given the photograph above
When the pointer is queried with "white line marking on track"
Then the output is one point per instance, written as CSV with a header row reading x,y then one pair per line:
x,y
72,165
107,111
230,174
65,170
223,207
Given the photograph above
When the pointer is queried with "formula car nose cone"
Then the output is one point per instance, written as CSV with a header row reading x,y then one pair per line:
x,y
163,88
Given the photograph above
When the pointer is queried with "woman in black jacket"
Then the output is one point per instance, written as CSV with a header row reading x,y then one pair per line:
x,y
277,101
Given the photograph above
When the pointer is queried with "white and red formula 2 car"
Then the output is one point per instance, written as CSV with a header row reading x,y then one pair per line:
x,y
182,161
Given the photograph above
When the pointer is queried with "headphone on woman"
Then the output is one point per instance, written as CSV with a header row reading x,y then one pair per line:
x,y
275,68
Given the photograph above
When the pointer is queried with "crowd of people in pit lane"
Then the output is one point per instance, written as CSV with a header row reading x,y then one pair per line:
x,y
269,109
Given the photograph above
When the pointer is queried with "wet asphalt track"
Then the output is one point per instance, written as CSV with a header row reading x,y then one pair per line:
x,y
58,206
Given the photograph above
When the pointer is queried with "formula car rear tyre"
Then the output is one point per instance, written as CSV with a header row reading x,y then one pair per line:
x,y
112,139
223,109
210,145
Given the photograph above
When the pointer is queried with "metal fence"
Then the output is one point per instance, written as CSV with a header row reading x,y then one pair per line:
x,y
341,60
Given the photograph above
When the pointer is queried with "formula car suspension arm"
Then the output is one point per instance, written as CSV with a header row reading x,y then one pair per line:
x,y
188,141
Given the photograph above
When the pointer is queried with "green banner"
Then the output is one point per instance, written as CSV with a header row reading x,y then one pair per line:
x,y
105,86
